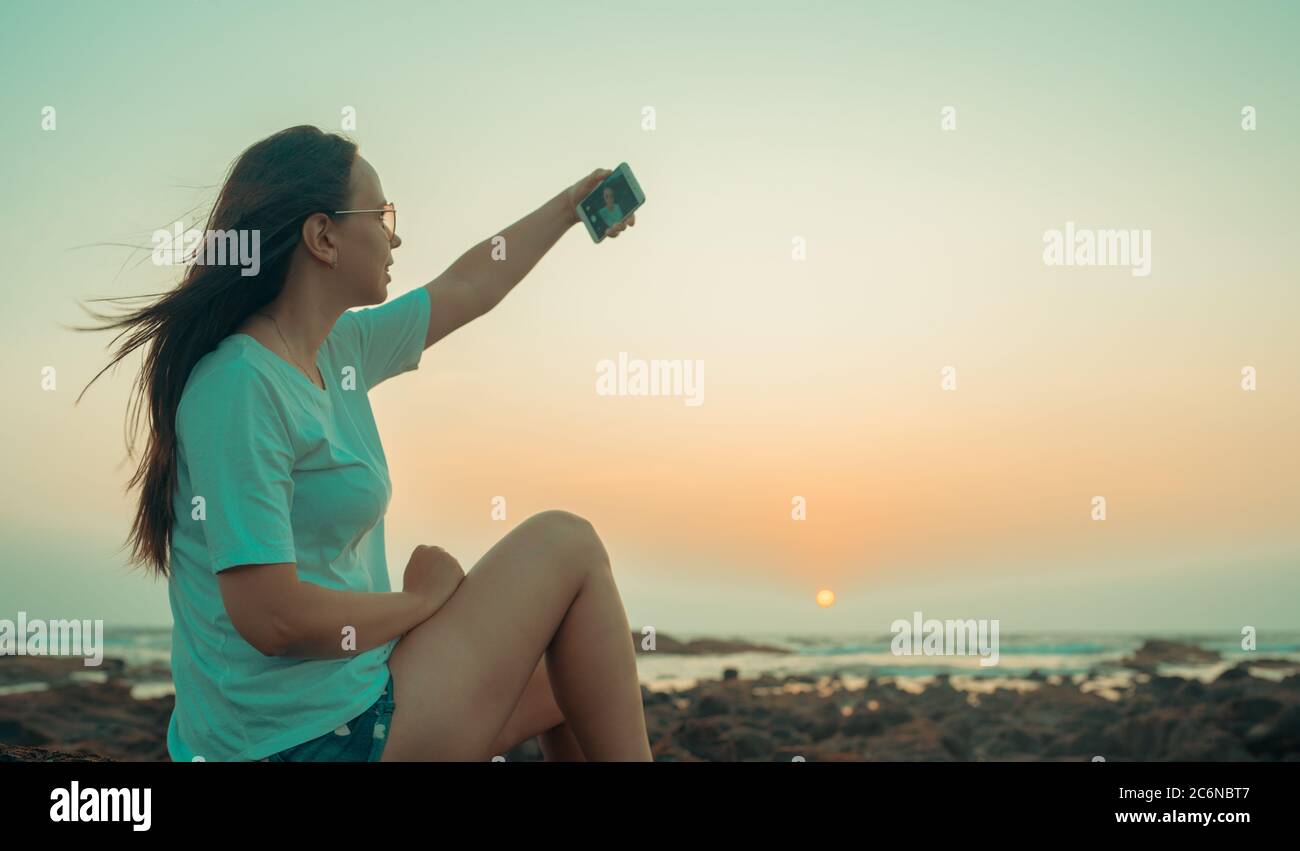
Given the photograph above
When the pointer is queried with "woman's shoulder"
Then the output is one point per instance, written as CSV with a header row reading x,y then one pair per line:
x,y
371,336
225,377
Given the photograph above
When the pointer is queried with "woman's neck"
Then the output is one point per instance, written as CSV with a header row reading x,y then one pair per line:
x,y
296,318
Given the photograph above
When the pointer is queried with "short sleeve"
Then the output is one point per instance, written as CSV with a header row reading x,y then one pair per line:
x,y
386,340
240,459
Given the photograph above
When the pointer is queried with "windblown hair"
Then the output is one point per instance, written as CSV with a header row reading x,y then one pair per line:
x,y
273,187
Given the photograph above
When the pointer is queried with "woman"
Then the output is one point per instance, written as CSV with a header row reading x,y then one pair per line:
x,y
264,486
611,213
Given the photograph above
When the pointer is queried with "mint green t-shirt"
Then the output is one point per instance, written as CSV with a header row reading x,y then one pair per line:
x,y
287,472
612,216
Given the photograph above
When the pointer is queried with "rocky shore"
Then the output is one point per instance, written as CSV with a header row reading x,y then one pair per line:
x,y
1250,711
1237,717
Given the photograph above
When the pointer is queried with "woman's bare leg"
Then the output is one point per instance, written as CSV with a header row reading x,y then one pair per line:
x,y
590,640
545,589
558,744
537,714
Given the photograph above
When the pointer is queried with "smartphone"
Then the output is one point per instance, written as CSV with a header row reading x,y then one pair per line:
x,y
617,197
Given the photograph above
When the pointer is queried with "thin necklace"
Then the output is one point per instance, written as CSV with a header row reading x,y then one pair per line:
x,y
287,349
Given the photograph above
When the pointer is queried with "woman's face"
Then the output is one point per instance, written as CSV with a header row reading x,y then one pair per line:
x,y
365,252
609,197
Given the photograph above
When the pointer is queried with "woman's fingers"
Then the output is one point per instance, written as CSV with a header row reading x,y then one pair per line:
x,y
615,230
589,183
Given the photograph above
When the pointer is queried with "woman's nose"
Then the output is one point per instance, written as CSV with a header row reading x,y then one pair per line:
x,y
397,241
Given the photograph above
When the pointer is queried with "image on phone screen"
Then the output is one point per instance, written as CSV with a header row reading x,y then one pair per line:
x,y
612,201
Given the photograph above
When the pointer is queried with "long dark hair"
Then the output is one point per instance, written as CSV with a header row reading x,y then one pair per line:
x,y
273,187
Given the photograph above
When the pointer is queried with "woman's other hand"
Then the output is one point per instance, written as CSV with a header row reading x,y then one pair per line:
x,y
433,575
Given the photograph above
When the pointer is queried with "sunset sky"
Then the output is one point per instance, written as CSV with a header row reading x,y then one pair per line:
x,y
822,376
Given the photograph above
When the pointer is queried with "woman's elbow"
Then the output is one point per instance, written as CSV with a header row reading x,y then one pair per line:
x,y
265,635
261,607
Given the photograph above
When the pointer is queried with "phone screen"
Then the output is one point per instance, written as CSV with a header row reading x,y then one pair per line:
x,y
612,201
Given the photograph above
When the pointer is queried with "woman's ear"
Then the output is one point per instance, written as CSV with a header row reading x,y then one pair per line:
x,y
319,239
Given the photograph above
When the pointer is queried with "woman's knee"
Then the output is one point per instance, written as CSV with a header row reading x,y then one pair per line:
x,y
573,536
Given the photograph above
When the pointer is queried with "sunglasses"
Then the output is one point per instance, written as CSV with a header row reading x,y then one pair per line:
x,y
390,217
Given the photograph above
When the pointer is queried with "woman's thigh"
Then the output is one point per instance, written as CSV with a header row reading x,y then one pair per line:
x,y
459,675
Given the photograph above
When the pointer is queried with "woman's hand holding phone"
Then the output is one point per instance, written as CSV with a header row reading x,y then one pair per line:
x,y
574,195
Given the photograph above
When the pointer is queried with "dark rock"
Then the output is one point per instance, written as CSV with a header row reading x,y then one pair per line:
x,y
957,747
712,704
1277,738
18,753
1086,744
1233,675
863,724
656,698
702,738
1155,652
1009,741
820,724
702,647
1253,710
16,733
752,744
1207,746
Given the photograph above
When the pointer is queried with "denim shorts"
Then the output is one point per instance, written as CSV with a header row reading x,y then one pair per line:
x,y
360,740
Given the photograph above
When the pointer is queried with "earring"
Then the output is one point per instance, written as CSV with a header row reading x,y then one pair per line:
x,y
334,264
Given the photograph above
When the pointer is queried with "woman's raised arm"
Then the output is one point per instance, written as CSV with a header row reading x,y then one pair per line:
x,y
482,276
